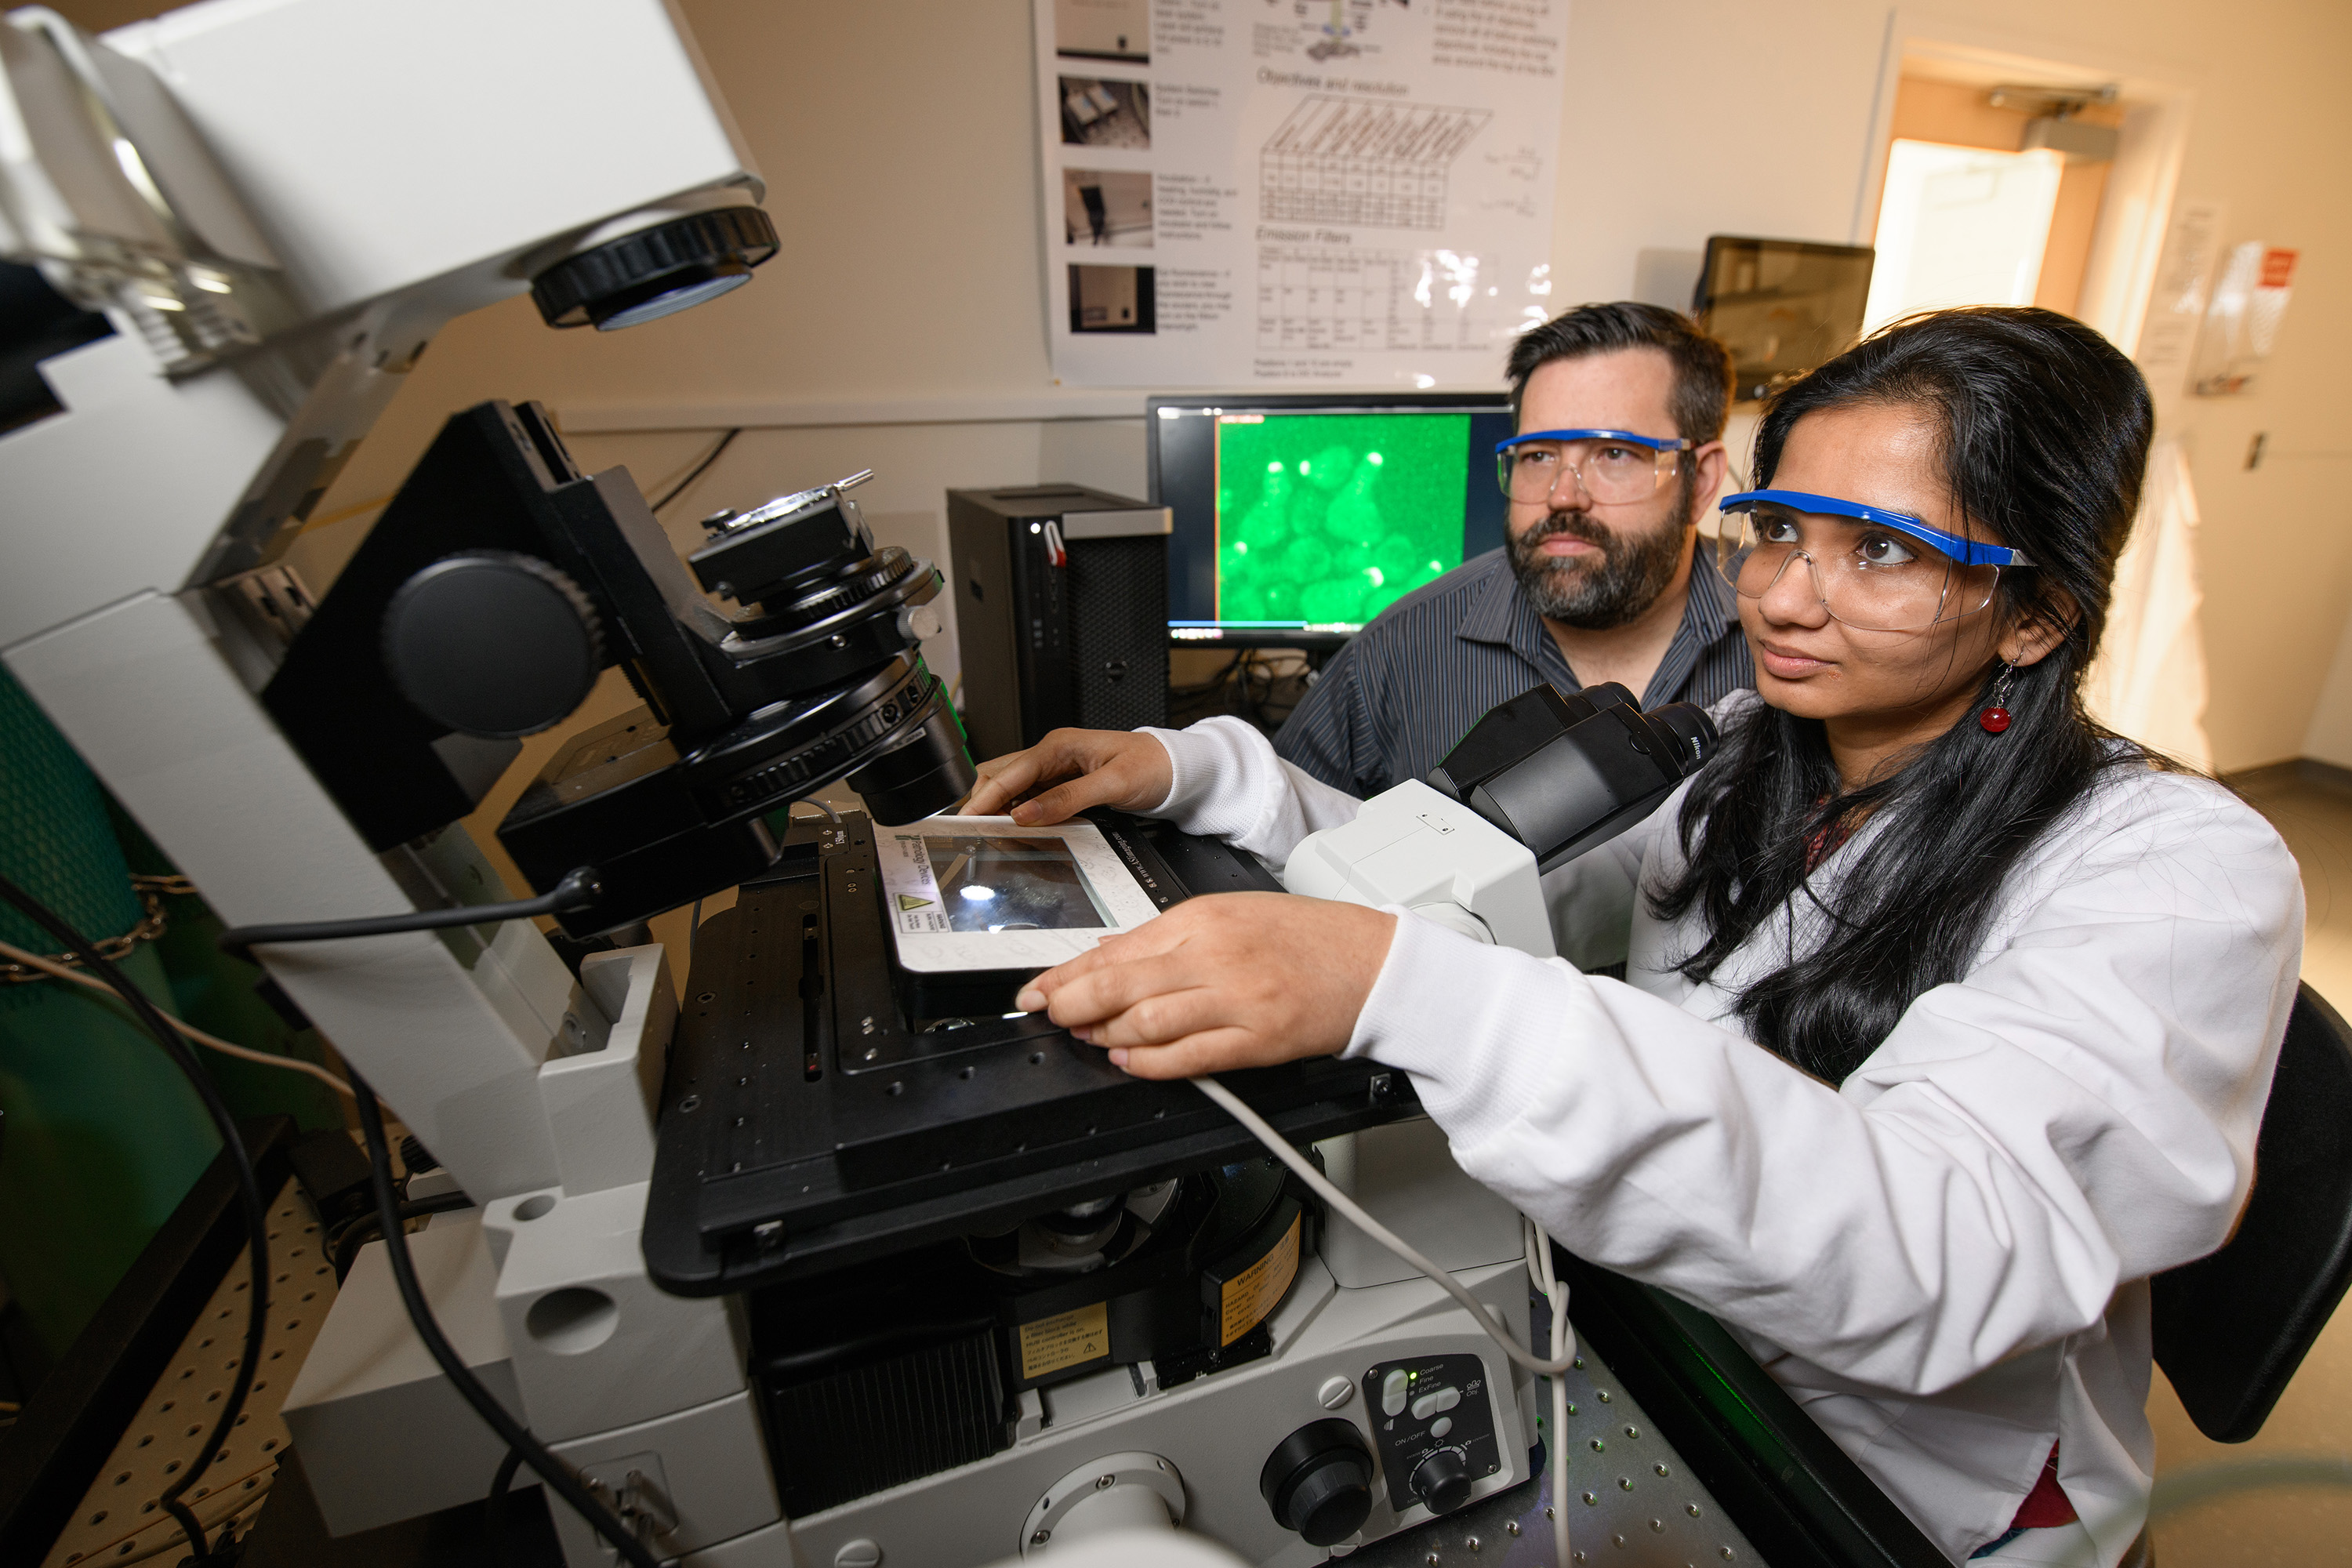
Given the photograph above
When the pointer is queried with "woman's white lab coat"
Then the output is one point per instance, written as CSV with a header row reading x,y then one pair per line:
x,y
1945,1259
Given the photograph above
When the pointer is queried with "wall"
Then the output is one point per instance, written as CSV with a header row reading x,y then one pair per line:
x,y
1957,114
2329,739
1760,121
902,327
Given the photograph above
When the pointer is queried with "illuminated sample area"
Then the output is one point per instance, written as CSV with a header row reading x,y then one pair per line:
x,y
1012,884
1330,519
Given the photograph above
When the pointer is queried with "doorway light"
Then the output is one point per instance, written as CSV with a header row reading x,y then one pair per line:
x,y
1960,226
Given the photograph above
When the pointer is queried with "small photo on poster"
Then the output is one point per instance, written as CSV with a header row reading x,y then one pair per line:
x,y
1103,30
1105,206
1111,300
1097,114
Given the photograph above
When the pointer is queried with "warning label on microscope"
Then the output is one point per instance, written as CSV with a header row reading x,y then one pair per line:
x,y
1065,1338
907,871
1246,1297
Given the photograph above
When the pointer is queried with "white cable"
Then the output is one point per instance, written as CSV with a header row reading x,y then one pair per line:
x,y
1303,1169
1538,1248
210,1042
1563,1348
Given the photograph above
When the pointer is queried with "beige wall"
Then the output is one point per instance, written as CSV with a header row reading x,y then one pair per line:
x,y
899,147
1761,119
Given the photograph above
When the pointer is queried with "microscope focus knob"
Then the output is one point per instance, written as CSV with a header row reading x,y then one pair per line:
x,y
1442,1481
491,643
1319,1481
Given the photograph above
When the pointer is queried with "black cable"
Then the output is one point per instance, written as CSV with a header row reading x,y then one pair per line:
x,y
1187,704
409,1208
701,468
1212,686
343,1245
249,1199
578,887
494,1511
554,1472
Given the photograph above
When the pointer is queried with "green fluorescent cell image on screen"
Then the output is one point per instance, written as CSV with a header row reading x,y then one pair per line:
x,y
1330,518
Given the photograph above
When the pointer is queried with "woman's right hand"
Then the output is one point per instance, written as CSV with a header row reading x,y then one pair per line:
x,y
1117,768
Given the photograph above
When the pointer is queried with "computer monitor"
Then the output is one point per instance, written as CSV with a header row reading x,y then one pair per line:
x,y
1297,517
1782,307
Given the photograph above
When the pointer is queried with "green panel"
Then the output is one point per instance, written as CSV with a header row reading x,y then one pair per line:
x,y
99,1135
103,1137
1330,518
216,993
54,840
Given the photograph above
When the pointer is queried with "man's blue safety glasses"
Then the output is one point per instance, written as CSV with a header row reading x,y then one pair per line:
x,y
1656,444
1613,465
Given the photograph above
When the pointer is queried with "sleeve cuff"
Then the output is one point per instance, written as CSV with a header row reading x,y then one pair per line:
x,y
1420,1016
1191,770
1220,771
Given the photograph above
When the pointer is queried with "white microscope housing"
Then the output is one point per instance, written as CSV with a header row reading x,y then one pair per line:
x,y
1538,781
1413,846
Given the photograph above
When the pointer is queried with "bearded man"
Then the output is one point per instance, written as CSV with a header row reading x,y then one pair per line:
x,y
1618,456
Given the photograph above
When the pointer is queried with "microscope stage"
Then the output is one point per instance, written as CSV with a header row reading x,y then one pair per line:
x,y
808,1123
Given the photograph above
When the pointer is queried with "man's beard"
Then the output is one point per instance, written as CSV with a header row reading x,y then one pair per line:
x,y
1596,596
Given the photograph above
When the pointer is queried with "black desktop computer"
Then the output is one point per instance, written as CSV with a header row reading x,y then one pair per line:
x,y
1061,612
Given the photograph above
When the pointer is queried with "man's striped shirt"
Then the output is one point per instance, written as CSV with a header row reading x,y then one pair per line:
x,y
1411,684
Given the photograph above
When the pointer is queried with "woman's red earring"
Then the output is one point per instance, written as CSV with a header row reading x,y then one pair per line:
x,y
1995,718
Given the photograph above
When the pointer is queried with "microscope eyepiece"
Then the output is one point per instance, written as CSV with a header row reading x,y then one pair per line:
x,y
1694,733
1563,774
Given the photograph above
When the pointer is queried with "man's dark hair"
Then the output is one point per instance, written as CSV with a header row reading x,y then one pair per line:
x,y
1702,394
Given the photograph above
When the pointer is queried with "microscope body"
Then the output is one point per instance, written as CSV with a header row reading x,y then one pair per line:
x,y
1538,781
1416,847
274,204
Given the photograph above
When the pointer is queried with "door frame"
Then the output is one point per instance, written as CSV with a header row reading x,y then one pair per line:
x,y
2119,278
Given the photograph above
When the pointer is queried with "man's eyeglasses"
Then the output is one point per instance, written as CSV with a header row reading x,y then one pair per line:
x,y
1611,466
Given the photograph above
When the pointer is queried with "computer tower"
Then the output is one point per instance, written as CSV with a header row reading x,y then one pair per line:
x,y
1061,612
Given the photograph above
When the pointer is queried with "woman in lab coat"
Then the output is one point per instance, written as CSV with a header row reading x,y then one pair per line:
x,y
1949,1017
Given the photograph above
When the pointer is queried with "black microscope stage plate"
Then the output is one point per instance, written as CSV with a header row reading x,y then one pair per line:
x,y
806,1125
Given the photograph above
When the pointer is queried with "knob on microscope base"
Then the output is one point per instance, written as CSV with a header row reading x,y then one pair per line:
x,y
1319,1481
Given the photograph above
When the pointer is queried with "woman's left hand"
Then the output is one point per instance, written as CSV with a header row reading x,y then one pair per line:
x,y
1232,980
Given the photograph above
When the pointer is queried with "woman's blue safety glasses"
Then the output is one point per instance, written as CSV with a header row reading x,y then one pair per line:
x,y
1871,568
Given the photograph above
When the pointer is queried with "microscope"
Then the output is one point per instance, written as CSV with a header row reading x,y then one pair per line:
x,y
804,1267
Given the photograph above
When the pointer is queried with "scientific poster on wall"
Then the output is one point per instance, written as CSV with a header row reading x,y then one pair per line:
x,y
1269,192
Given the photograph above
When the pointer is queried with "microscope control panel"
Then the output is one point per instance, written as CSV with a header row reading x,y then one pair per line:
x,y
1435,1429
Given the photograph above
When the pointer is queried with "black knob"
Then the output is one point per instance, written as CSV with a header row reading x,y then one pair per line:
x,y
1442,1481
653,272
487,642
1319,1481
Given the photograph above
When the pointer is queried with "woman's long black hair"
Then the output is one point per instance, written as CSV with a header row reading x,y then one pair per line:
x,y
2042,432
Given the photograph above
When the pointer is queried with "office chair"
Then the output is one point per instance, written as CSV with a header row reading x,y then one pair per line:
x,y
2230,1328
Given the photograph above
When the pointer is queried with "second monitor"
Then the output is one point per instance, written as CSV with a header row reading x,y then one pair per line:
x,y
1299,517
